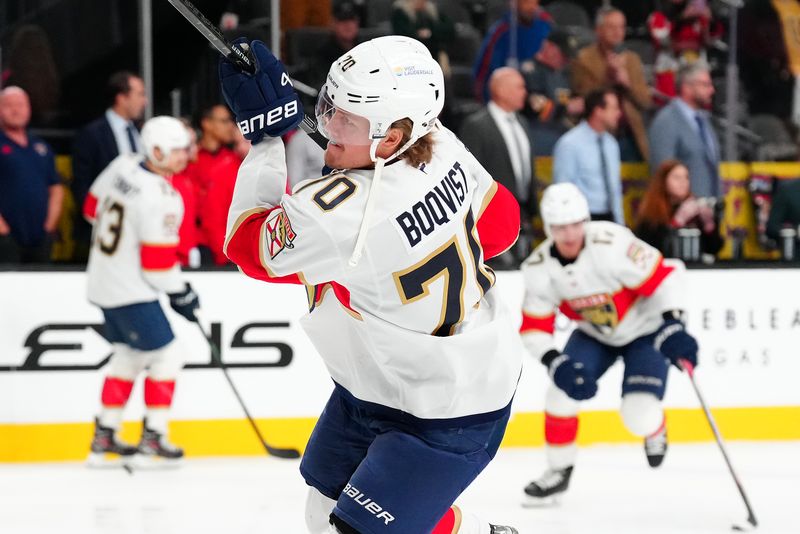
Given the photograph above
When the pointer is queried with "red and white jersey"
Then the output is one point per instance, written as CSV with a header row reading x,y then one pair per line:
x,y
136,215
616,290
411,326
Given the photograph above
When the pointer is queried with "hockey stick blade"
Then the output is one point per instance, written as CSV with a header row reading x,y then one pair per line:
x,y
238,57
277,452
751,517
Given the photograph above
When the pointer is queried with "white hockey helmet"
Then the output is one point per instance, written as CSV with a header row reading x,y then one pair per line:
x,y
563,204
383,80
166,133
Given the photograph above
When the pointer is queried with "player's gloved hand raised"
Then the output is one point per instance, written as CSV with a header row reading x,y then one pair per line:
x,y
570,376
185,302
675,342
265,103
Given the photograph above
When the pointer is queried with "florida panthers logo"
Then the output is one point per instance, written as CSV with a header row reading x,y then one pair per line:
x,y
279,232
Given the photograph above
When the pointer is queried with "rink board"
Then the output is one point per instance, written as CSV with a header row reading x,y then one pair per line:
x,y
51,357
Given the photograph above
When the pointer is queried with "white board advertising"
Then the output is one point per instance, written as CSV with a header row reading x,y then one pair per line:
x,y
52,351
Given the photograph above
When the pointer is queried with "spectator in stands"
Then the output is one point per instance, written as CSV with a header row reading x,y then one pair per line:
x,y
188,253
588,156
533,26
344,24
606,64
501,141
304,158
217,133
32,67
681,31
669,205
682,130
101,141
554,108
785,211
220,194
30,189
423,21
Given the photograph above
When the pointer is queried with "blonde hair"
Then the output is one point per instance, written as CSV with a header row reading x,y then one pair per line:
x,y
421,151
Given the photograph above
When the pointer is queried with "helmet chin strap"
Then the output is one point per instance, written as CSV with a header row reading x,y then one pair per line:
x,y
372,196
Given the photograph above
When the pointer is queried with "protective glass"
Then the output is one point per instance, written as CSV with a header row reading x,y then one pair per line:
x,y
339,126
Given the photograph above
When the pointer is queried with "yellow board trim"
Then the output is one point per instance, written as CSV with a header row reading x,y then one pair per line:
x,y
234,437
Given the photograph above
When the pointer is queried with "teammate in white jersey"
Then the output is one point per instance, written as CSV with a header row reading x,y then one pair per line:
x,y
136,214
391,247
626,302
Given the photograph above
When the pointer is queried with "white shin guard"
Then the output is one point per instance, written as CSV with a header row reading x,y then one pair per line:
x,y
165,363
318,511
642,413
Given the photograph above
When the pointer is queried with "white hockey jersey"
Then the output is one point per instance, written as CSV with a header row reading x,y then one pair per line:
x,y
617,289
136,215
412,326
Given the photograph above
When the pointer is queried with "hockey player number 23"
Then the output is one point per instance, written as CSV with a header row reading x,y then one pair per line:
x,y
109,227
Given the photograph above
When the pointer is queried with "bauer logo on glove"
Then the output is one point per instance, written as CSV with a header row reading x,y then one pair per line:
x,y
265,102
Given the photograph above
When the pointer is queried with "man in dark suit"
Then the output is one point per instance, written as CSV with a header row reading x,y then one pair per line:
x,y
101,141
502,142
682,130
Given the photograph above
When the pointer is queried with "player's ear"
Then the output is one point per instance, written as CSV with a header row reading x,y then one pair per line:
x,y
392,142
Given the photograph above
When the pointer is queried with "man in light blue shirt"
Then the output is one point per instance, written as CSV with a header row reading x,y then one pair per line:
x,y
588,156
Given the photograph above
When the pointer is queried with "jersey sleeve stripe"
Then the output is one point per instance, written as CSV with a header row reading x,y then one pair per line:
x,y
90,207
498,221
567,310
651,283
245,247
158,257
541,323
487,198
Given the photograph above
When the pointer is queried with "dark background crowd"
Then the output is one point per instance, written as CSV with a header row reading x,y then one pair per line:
x,y
538,90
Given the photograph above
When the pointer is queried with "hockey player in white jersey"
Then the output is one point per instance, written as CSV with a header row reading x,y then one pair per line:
x,y
626,302
391,247
136,214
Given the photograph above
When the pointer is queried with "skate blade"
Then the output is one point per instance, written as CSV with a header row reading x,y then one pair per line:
x,y
552,501
107,460
149,462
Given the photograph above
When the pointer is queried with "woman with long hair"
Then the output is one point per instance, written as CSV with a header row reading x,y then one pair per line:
x,y
669,205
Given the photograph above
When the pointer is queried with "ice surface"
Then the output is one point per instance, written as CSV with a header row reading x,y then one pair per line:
x,y
612,491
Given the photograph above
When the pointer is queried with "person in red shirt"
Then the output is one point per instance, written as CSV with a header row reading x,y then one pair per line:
x,y
188,254
218,199
217,133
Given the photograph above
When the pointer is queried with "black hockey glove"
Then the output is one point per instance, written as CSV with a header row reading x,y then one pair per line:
x,y
570,376
265,103
185,302
675,342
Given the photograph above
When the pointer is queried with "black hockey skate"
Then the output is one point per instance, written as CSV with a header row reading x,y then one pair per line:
x,y
655,447
548,487
106,449
155,451
499,529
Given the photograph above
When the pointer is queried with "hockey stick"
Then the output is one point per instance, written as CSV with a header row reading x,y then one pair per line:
x,y
278,452
242,60
751,518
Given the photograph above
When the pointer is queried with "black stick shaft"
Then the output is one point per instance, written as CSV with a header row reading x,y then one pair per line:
x,y
273,451
751,518
237,56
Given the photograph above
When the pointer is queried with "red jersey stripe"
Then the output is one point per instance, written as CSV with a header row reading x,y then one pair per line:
x,y
651,283
545,323
158,257
90,207
498,222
